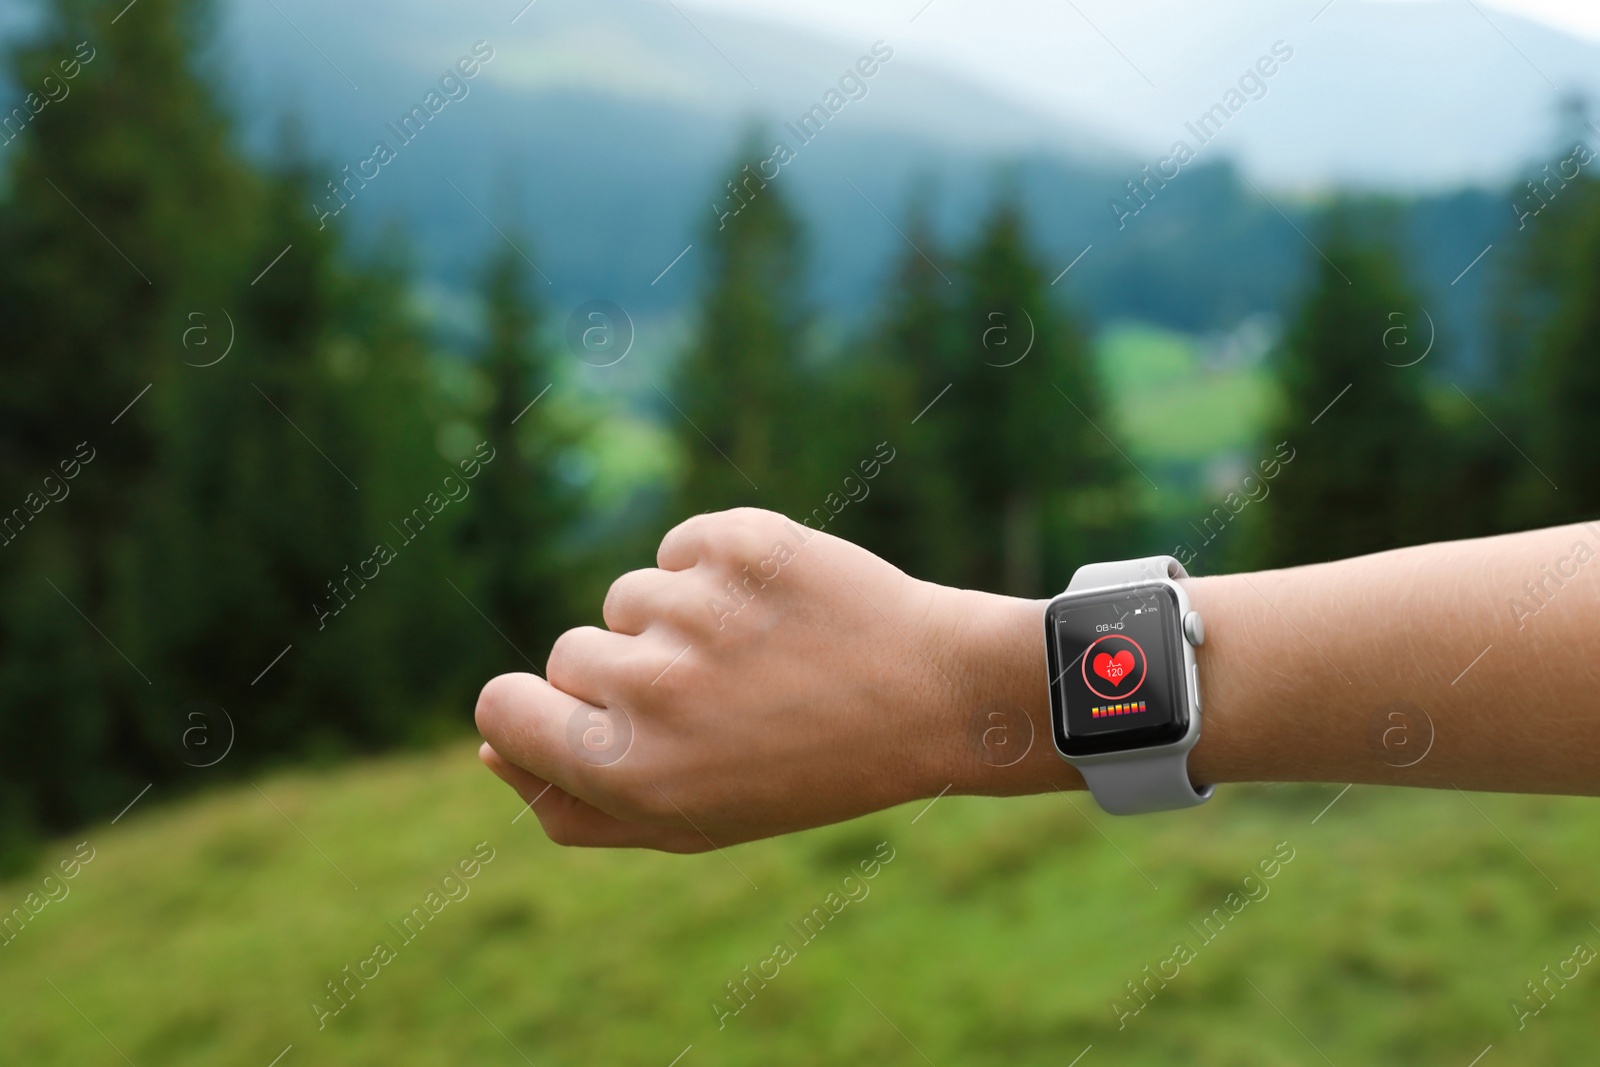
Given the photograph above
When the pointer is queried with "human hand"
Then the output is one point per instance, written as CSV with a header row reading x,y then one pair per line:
x,y
771,678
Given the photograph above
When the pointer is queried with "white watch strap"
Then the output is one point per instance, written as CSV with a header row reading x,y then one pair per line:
x,y
1138,784
1126,572
1148,783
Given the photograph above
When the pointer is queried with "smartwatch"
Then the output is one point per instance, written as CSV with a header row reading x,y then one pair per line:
x,y
1124,685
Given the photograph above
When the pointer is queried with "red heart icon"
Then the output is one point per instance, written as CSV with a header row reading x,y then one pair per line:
x,y
1114,669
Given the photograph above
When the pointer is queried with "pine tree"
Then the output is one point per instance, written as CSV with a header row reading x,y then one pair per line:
x,y
1039,485
741,405
282,468
1366,449
896,378
239,510
124,203
221,498
1554,360
524,513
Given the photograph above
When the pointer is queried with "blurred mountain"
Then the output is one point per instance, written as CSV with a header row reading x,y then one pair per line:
x,y
610,120
1394,94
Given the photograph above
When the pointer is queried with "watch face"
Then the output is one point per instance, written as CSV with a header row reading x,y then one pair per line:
x,y
1116,670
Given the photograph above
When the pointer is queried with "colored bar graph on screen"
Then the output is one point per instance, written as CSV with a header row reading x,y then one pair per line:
x,y
1118,709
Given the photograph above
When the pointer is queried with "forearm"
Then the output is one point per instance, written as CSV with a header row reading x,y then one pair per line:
x,y
766,678
1411,667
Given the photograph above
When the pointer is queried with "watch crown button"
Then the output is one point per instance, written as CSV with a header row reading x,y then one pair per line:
x,y
1194,628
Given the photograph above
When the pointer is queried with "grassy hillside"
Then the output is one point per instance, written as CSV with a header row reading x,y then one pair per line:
x,y
1169,405
999,933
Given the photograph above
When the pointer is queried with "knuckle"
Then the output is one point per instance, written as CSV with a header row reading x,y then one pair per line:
x,y
560,655
496,700
636,596
736,534
566,656
683,538
742,535
623,591
653,598
758,520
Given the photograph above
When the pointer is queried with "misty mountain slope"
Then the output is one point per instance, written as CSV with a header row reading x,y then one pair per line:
x,y
615,122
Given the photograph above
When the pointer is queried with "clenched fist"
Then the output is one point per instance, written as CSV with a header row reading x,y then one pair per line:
x,y
764,678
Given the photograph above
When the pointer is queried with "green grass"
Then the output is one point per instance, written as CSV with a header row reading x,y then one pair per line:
x,y
999,934
1169,406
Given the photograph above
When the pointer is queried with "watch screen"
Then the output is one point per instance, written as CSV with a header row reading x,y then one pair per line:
x,y
1116,669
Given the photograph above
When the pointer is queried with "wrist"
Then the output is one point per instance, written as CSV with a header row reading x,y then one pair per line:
x,y
993,732
1217,756
994,729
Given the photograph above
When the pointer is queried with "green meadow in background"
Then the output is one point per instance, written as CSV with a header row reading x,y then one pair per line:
x,y
1402,930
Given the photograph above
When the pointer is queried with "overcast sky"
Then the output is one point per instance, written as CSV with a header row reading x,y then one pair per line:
x,y
1380,90
954,20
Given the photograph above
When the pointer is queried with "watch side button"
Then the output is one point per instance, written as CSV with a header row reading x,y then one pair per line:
x,y
1194,685
1194,628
